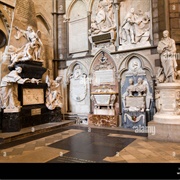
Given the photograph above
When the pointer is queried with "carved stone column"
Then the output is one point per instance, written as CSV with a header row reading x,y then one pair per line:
x,y
59,33
55,37
89,26
117,19
62,43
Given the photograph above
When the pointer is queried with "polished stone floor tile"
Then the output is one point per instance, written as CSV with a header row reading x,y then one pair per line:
x,y
92,146
76,144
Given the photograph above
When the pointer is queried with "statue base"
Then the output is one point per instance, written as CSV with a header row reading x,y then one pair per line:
x,y
164,132
167,120
55,115
103,120
11,122
39,114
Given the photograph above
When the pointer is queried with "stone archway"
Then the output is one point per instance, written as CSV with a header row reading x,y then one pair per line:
x,y
136,108
77,89
104,91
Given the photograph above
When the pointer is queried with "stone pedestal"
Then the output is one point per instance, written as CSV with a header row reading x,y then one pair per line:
x,y
164,132
39,114
55,115
103,120
1,117
11,122
167,120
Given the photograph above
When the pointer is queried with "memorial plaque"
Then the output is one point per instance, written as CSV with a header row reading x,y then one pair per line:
x,y
78,32
135,101
78,90
104,76
35,111
101,38
168,100
33,96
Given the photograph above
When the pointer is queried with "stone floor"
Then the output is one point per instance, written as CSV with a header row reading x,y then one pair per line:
x,y
57,143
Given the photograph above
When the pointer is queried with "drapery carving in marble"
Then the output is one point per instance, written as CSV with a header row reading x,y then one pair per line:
x,y
135,28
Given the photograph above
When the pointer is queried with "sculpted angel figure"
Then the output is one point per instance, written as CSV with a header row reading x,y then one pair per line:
x,y
32,50
53,93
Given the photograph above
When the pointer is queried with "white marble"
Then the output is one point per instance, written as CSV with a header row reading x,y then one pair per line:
x,y
9,88
32,50
104,112
164,132
167,99
78,33
167,50
104,76
53,93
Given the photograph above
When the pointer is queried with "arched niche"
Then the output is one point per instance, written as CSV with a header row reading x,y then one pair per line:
x,y
103,65
104,91
78,27
77,88
42,24
145,65
136,76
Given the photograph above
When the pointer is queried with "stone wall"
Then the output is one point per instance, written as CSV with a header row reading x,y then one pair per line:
x,y
27,12
174,18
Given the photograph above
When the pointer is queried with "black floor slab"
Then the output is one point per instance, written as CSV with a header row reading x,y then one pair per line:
x,y
90,146
61,129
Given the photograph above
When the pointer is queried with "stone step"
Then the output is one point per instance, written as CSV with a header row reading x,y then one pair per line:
x,y
31,131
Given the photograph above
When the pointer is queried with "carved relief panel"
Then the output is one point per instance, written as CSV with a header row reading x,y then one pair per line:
x,y
135,24
103,25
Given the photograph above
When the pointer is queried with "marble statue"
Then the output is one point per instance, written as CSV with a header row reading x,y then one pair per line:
x,y
53,93
140,87
135,28
112,100
32,50
128,27
167,49
8,89
142,27
131,87
104,19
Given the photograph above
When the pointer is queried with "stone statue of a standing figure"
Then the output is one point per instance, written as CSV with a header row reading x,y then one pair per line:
x,y
8,88
167,50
